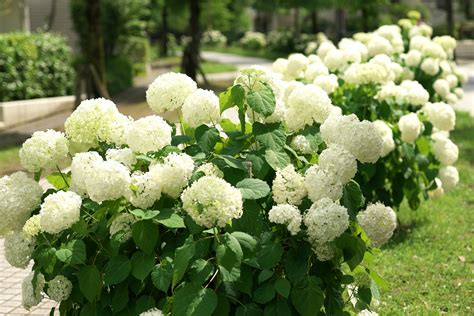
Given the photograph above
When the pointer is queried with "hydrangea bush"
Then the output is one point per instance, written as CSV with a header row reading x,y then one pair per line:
x,y
405,83
249,206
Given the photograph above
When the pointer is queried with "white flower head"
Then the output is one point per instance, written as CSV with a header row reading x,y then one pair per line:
x,y
322,184
82,170
144,190
150,133
301,144
280,65
18,249
108,181
441,86
325,221
210,169
211,201
335,60
60,211
449,177
445,151
288,186
314,70
32,226
44,151
328,83
379,222
410,126
122,224
201,107
59,288
174,174
339,162
441,115
387,137
413,58
123,155
288,215
324,252
19,196
438,191
30,294
430,66
169,91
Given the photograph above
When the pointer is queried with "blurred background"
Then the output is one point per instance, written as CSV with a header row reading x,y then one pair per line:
x,y
54,53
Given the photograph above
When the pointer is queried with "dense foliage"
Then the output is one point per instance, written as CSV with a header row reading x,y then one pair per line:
x,y
35,65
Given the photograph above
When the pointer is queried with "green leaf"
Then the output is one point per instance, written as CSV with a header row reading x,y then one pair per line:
x,y
262,101
162,275
229,256
353,249
74,252
225,100
247,243
145,235
271,136
183,255
193,300
277,308
283,287
144,214
308,297
120,297
253,189
264,293
260,167
142,264
249,310
264,275
201,271
90,282
238,95
117,270
277,159
352,198
269,254
313,136
207,137
170,219
233,162
57,180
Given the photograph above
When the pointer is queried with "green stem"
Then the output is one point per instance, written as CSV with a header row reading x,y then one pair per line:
x,y
62,176
181,122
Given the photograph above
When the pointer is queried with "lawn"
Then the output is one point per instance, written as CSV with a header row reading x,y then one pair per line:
x,y
238,50
429,264
9,161
211,67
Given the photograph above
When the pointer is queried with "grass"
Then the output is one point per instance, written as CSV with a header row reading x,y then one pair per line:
x,y
211,67
429,263
9,160
237,50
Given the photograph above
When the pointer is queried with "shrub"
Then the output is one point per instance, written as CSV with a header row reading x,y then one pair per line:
x,y
219,218
288,42
214,38
138,52
35,65
253,40
119,74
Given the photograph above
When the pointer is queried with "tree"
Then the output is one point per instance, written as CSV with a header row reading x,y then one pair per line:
x,y
449,16
190,61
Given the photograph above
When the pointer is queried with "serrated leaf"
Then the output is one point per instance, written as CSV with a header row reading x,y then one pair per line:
x,y
117,270
207,137
74,252
183,255
305,293
145,235
264,293
352,197
193,300
262,101
59,181
283,287
142,264
253,189
170,219
247,243
90,282
277,159
162,275
238,95
201,271
271,136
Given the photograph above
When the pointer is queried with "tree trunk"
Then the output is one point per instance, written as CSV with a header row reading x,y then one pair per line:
x,y
340,23
190,61
164,30
449,16
51,17
296,21
365,19
94,51
314,21
467,9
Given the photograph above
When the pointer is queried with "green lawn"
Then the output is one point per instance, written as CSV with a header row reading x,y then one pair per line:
x,y
211,67
9,160
237,50
429,263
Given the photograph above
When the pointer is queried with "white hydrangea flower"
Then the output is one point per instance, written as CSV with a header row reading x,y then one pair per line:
x,y
366,73
289,88
123,155
452,99
114,132
143,191
350,45
322,184
366,312
169,91
449,177
325,221
278,114
32,226
255,76
410,127
122,224
150,133
152,312
447,42
452,80
211,201
441,86
288,186
434,50
60,211
324,48
441,115
445,151
31,295
387,137
379,45
415,93
19,196
18,249
407,74
315,70
438,191
296,66
328,83
417,42
59,288
108,181
306,105
339,162
314,59
82,170
413,58
201,107
288,215
459,92
92,115
324,252
44,151
173,174
379,222
335,60
430,66
210,169
280,65
301,145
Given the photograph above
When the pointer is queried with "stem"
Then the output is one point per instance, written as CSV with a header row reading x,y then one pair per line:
x,y
212,279
181,122
62,176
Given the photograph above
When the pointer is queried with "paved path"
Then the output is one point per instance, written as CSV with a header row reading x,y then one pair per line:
x,y
467,103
